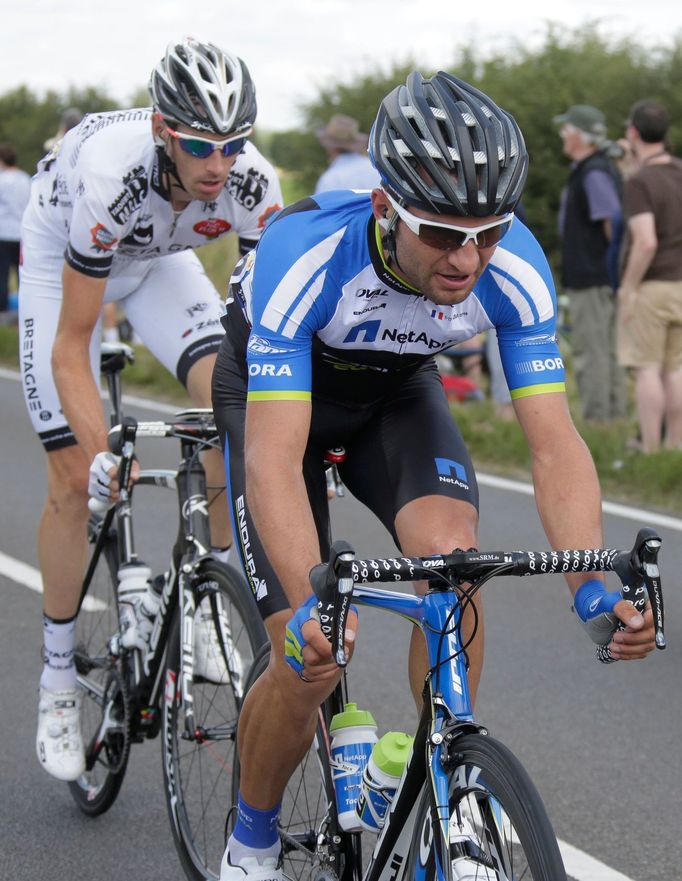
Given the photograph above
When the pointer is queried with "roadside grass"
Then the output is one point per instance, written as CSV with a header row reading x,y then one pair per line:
x,y
625,475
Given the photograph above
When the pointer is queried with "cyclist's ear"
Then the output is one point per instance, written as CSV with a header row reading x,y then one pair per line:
x,y
158,128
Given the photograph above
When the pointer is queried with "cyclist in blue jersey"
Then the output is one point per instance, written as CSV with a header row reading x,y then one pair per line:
x,y
332,326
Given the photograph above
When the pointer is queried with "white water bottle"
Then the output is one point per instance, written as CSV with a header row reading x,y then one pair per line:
x,y
353,732
133,584
148,607
381,777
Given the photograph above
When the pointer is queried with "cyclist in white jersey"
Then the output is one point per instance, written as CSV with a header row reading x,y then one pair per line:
x,y
116,209
330,339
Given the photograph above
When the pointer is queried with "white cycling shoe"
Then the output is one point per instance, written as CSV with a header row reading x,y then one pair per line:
x,y
471,863
466,869
209,662
250,870
59,743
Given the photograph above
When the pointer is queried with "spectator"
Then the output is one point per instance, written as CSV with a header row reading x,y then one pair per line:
x,y
589,203
650,293
15,185
69,119
349,165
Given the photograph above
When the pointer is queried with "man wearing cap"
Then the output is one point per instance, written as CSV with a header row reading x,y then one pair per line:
x,y
589,203
349,165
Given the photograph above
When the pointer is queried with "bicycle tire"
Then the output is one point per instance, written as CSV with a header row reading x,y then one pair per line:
x,y
96,790
198,774
308,808
510,834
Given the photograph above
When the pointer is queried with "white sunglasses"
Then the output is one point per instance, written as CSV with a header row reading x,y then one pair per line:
x,y
447,236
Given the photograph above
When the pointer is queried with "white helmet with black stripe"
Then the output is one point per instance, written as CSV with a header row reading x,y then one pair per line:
x,y
201,86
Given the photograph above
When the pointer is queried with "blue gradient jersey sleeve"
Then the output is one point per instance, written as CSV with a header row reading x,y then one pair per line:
x,y
517,292
292,294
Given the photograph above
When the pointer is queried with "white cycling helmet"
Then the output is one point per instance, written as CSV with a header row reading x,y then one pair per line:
x,y
443,146
201,86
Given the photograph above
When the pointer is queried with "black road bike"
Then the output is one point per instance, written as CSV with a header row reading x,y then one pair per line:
x,y
130,694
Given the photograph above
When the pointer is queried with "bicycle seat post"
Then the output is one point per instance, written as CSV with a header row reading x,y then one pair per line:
x,y
113,359
114,385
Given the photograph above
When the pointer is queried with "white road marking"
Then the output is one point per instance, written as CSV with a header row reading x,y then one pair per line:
x,y
583,867
579,865
24,574
642,516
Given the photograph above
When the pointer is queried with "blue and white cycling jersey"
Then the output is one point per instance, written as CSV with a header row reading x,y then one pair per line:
x,y
326,312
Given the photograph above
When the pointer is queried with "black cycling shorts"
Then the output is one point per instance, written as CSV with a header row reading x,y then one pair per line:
x,y
403,447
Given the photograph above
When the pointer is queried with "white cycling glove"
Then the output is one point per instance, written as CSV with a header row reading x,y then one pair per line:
x,y
99,484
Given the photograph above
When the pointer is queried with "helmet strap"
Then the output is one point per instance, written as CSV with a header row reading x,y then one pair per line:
x,y
388,241
167,168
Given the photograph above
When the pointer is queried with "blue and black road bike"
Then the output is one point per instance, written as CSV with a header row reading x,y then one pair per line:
x,y
465,809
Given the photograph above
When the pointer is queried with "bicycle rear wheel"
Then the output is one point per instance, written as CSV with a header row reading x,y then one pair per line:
x,y
198,770
499,829
313,846
105,722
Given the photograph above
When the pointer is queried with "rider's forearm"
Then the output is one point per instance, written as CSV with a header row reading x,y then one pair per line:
x,y
639,259
79,397
279,505
568,498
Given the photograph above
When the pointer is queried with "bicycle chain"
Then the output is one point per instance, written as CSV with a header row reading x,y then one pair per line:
x,y
116,691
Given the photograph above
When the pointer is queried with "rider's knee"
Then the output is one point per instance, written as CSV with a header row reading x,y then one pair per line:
x,y
68,479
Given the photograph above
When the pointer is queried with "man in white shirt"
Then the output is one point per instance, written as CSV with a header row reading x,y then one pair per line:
x,y
14,189
349,165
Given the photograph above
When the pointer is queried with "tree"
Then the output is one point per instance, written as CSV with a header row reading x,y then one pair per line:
x,y
27,121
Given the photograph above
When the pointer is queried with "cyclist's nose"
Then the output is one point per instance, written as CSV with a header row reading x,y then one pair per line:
x,y
218,164
465,259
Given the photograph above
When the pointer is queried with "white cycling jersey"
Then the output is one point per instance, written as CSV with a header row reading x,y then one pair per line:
x,y
101,195
99,203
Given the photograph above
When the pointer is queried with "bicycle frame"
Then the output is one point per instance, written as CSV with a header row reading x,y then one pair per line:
x,y
446,710
191,549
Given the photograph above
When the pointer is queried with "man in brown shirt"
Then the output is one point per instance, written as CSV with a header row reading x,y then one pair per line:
x,y
650,293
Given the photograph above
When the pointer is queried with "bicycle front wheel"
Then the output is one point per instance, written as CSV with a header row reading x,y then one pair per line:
x,y
104,714
498,830
198,767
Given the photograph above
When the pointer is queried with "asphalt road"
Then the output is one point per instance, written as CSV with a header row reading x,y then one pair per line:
x,y
601,743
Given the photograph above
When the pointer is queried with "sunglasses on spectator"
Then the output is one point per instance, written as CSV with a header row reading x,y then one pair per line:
x,y
202,148
448,237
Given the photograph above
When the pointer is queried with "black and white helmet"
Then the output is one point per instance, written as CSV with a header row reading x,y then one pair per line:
x,y
443,146
203,87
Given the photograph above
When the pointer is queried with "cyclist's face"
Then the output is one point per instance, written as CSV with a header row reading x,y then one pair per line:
x,y
202,178
444,277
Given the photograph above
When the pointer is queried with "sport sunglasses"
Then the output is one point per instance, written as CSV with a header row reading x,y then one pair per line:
x,y
202,148
448,237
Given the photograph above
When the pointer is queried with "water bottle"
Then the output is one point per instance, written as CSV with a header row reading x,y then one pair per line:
x,y
353,732
381,777
149,606
133,584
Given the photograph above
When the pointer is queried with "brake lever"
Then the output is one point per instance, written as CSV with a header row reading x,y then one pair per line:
x,y
652,582
121,440
334,591
640,578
